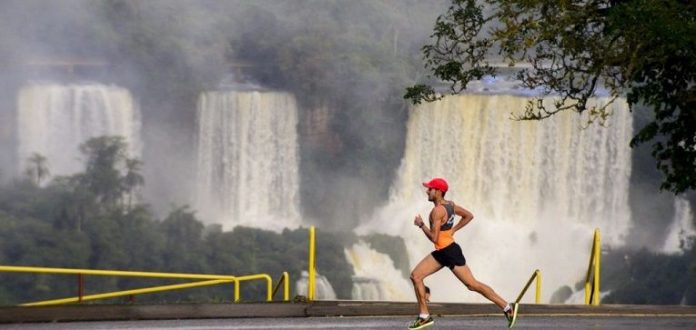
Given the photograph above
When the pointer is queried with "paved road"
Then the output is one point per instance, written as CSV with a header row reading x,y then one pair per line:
x,y
450,322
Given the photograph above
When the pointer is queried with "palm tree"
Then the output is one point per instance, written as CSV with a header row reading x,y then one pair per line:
x,y
133,178
37,169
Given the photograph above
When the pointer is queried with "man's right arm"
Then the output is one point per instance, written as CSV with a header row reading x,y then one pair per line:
x,y
432,231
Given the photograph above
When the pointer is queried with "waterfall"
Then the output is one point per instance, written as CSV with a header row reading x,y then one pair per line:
x,y
537,190
376,278
322,288
53,120
681,232
247,167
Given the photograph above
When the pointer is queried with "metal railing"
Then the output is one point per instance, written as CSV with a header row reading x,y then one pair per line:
x,y
207,280
537,297
311,271
592,277
285,281
269,284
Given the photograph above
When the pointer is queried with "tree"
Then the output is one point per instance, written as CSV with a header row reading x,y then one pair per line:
x,y
644,50
37,169
183,247
132,179
102,178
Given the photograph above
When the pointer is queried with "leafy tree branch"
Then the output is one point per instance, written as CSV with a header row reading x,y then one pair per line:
x,y
643,50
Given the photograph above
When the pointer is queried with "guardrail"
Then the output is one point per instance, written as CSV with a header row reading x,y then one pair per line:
x,y
537,297
207,280
592,277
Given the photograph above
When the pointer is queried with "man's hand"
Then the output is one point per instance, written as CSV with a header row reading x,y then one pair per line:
x,y
418,221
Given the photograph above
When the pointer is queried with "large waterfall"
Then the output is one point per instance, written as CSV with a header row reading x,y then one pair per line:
x,y
537,190
53,120
247,167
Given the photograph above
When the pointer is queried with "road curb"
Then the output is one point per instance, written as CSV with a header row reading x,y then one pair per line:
x,y
100,312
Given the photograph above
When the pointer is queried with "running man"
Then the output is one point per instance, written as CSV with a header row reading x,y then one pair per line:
x,y
448,253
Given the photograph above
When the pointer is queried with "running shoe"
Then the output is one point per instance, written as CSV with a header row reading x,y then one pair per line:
x,y
421,323
511,315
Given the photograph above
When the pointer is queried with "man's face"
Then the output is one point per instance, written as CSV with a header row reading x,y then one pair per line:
x,y
432,194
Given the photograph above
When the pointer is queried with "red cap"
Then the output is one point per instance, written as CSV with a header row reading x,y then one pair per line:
x,y
437,183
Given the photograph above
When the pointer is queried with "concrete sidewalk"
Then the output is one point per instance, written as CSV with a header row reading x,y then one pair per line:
x,y
314,309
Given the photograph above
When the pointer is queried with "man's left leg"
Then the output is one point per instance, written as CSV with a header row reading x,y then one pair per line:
x,y
463,273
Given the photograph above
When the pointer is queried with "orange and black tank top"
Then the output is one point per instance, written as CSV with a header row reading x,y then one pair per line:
x,y
445,238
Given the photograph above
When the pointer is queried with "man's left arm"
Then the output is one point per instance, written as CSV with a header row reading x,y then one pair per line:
x,y
466,217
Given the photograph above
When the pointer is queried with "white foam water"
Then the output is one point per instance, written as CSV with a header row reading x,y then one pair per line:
x,y
248,162
537,190
367,263
681,232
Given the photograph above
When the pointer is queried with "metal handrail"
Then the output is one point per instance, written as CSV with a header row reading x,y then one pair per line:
x,y
285,280
537,298
269,284
125,293
592,288
211,280
77,271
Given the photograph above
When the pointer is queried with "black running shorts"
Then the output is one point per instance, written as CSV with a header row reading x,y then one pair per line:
x,y
450,256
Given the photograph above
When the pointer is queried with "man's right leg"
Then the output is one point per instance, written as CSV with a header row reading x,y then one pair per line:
x,y
425,268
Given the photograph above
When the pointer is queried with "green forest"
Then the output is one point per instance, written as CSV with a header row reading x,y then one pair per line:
x,y
91,220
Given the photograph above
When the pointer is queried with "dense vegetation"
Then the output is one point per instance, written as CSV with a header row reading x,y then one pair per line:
x,y
94,220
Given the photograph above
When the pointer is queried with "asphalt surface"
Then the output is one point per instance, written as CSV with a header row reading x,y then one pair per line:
x,y
342,315
381,322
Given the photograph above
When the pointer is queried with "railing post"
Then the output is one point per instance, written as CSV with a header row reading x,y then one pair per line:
x,y
593,271
269,289
596,268
286,286
310,280
80,287
537,299
236,291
